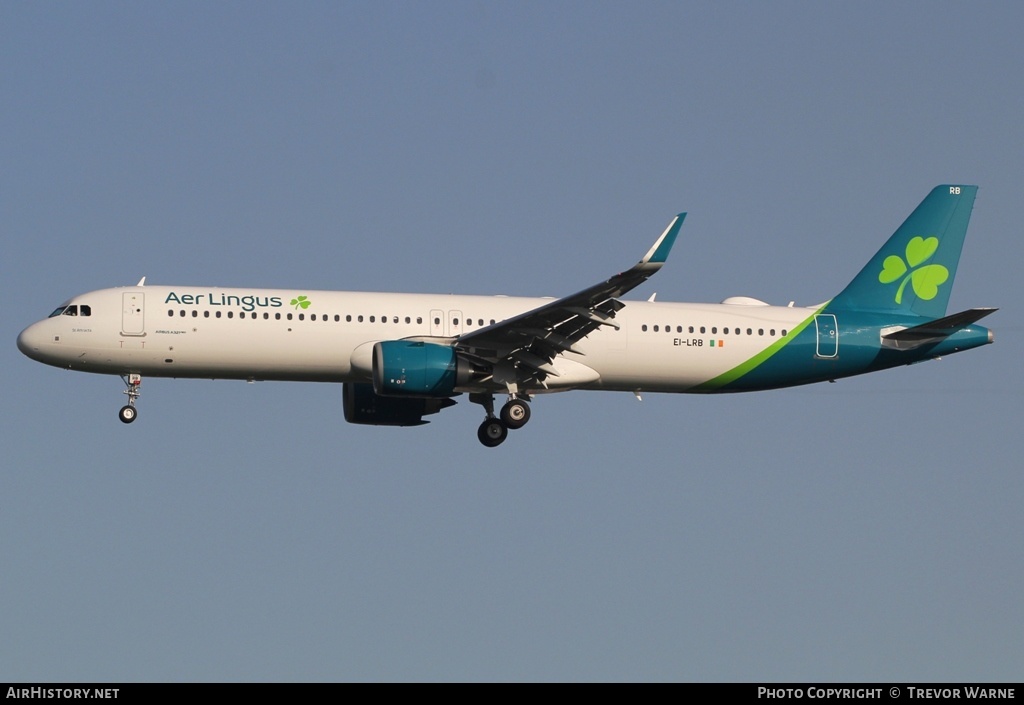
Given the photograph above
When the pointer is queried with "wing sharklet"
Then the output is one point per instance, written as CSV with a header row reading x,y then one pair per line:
x,y
659,252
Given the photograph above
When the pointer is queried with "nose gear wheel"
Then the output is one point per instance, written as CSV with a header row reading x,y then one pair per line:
x,y
128,412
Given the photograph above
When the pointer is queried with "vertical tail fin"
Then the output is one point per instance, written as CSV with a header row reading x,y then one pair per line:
x,y
913,272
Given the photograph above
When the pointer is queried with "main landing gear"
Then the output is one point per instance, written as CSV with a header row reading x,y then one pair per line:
x,y
494,430
128,413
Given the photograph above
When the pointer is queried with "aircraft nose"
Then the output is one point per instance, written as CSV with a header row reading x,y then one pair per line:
x,y
30,341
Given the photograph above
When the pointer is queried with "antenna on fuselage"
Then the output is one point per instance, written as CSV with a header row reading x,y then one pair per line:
x,y
142,282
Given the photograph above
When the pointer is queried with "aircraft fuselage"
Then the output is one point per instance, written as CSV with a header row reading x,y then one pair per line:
x,y
259,334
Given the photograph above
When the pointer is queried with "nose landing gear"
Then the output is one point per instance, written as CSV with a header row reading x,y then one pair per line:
x,y
128,413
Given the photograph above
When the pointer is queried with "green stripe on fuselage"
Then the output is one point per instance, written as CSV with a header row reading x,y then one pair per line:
x,y
716,384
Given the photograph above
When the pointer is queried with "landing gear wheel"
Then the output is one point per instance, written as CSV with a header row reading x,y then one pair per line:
x,y
492,432
132,382
515,413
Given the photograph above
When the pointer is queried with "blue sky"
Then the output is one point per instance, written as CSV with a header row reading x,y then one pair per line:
x,y
867,530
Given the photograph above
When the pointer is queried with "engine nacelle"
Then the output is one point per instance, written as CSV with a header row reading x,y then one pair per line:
x,y
404,368
363,406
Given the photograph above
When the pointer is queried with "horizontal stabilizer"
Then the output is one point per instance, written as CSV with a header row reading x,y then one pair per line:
x,y
934,331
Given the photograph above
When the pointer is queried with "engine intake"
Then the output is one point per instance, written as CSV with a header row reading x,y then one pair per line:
x,y
403,368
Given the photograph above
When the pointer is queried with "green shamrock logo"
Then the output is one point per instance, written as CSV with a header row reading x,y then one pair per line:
x,y
926,279
301,302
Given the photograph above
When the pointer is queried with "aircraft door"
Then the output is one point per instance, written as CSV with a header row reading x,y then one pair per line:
x,y
828,335
133,313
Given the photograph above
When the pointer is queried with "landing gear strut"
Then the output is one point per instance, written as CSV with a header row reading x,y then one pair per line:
x,y
494,430
128,413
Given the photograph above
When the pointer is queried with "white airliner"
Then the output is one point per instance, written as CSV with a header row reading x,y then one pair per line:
x,y
401,357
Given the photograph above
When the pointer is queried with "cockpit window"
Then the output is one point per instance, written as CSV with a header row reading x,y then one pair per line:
x,y
73,310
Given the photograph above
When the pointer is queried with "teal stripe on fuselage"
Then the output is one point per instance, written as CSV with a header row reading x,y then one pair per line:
x,y
907,283
728,381
795,360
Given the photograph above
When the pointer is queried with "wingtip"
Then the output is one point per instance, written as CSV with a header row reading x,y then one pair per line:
x,y
659,252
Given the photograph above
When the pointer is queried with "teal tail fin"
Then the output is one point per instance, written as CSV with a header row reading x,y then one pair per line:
x,y
913,272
